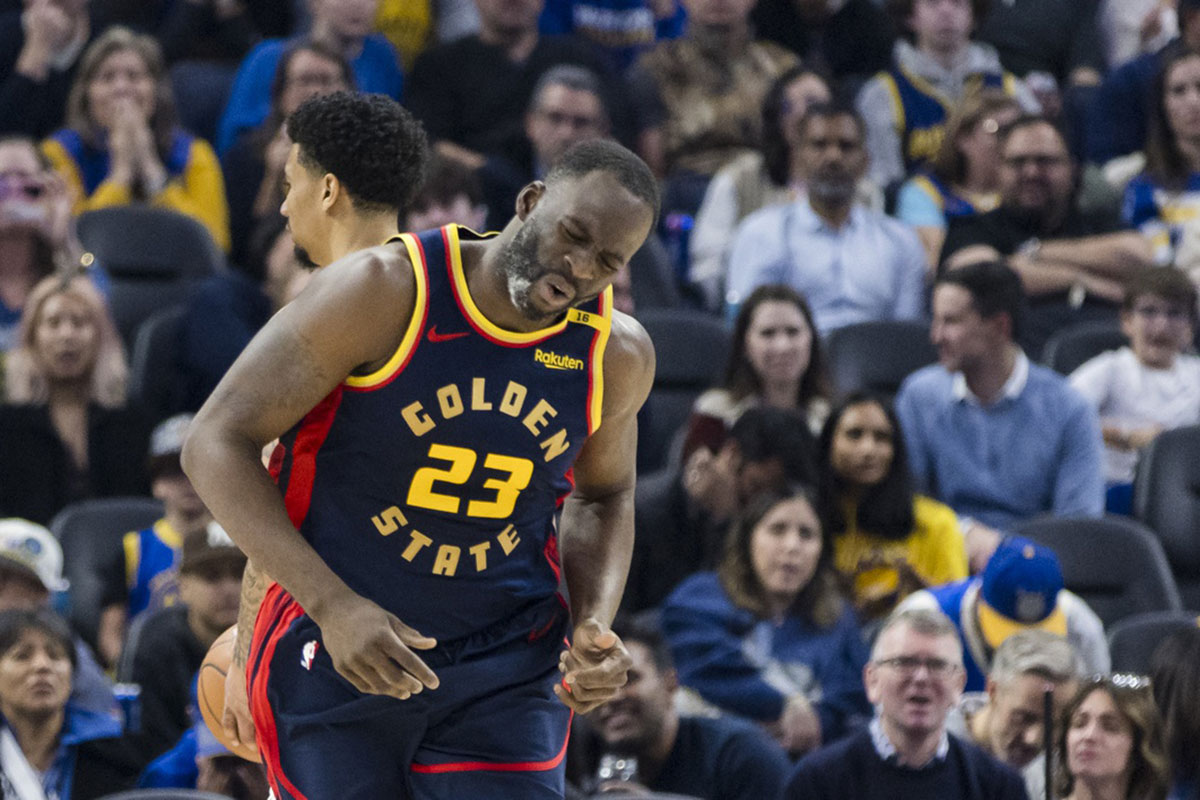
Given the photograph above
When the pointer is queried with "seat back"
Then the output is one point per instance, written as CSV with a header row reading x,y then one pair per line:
x,y
201,91
156,383
1114,563
153,257
1133,640
1166,497
691,349
876,357
1071,347
90,533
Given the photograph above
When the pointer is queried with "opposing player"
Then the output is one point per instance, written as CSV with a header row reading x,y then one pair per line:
x,y
437,398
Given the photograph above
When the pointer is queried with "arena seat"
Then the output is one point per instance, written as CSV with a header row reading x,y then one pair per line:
x,y
1133,640
153,258
691,348
90,532
1114,563
1071,347
876,357
1166,497
156,384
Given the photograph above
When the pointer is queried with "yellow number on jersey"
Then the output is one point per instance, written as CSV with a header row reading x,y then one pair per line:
x,y
462,462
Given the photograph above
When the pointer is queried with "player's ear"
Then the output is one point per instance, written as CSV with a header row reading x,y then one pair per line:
x,y
528,198
331,190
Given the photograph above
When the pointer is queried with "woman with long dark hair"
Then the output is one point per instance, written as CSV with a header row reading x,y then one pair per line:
x,y
768,636
1175,677
1164,200
888,541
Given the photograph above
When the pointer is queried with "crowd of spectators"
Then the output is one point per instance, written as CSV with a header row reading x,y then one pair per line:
x,y
833,592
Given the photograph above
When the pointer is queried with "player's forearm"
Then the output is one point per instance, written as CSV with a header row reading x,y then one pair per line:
x,y
597,545
254,588
228,474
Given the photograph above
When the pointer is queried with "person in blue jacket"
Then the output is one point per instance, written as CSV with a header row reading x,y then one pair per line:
x,y
769,636
48,746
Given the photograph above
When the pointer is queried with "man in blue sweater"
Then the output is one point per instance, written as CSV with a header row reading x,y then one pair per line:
x,y
994,436
915,676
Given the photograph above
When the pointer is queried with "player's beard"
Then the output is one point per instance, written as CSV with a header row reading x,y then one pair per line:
x,y
303,258
519,263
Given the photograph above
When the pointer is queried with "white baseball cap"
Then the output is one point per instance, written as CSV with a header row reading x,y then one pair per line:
x,y
32,547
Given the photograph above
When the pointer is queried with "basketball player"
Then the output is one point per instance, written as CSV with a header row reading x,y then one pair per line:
x,y
437,398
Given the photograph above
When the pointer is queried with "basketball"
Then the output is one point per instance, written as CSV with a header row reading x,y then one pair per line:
x,y
210,690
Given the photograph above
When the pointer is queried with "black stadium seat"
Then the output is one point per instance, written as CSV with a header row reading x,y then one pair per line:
x,y
1114,563
876,357
153,257
1166,497
90,532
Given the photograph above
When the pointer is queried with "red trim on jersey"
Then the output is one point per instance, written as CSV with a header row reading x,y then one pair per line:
x,y
570,476
420,330
308,442
498,766
462,309
287,611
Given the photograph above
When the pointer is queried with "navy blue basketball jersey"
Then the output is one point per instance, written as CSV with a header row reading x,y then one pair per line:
x,y
431,486
921,111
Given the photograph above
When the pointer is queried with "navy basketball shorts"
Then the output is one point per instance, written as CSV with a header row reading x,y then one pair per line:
x,y
492,729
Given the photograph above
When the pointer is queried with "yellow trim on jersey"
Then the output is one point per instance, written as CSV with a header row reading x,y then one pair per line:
x,y
596,401
476,316
889,82
384,373
132,543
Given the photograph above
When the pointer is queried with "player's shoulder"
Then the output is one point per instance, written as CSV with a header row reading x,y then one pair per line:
x,y
628,362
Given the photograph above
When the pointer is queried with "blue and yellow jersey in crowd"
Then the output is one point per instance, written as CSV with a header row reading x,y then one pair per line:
x,y
1162,214
921,111
194,185
151,567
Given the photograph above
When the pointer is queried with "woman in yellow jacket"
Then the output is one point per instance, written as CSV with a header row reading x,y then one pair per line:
x,y
122,143
887,541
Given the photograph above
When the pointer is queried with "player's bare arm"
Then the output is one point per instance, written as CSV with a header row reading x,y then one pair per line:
x,y
349,320
597,523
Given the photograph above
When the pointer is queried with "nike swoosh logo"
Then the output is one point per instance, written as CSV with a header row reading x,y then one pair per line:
x,y
434,336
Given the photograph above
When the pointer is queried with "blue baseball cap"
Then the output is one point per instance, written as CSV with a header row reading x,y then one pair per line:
x,y
1020,591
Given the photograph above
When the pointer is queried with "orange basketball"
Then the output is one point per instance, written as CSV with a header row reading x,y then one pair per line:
x,y
210,692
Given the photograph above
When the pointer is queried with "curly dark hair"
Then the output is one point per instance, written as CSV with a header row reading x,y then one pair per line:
x,y
376,148
604,155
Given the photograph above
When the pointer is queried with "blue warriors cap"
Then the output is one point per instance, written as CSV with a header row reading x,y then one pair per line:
x,y
1020,591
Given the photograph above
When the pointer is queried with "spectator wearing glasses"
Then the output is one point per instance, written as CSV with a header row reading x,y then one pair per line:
x,y
1110,745
914,678
1150,386
253,166
1073,264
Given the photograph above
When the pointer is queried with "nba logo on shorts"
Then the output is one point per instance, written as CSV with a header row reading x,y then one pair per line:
x,y
309,652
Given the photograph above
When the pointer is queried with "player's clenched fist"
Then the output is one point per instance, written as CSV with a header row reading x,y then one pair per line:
x,y
593,668
374,650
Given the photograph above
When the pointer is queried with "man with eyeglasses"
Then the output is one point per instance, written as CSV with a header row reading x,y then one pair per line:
x,y
1073,263
1150,386
914,678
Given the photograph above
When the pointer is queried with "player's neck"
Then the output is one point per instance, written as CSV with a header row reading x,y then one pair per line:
x,y
363,232
489,288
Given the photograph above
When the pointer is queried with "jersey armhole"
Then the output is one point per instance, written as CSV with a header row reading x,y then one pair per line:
x,y
396,363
